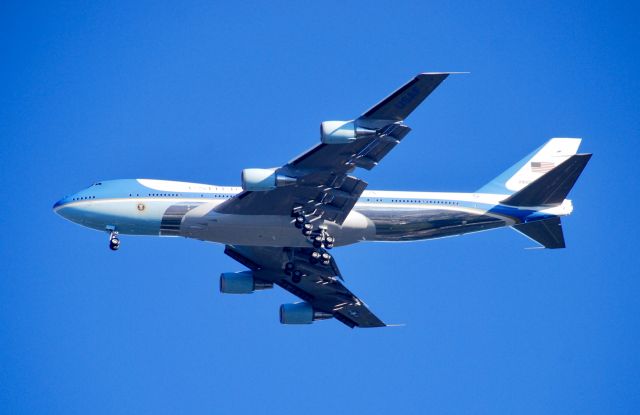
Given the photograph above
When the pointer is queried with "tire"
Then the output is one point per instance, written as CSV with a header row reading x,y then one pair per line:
x,y
315,257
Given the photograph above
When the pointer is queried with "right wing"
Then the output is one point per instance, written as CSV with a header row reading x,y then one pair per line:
x,y
319,286
402,102
325,188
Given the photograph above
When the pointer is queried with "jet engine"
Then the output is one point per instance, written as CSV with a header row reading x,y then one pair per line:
x,y
342,132
301,313
260,180
241,283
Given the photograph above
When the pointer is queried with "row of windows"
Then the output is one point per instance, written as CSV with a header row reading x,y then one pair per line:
x,y
432,202
175,195
429,202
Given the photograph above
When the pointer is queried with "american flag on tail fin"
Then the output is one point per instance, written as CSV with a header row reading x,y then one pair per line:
x,y
541,166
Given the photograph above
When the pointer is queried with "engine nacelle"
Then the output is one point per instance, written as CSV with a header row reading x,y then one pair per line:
x,y
342,132
241,283
300,313
260,180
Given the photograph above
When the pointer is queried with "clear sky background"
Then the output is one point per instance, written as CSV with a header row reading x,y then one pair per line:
x,y
196,92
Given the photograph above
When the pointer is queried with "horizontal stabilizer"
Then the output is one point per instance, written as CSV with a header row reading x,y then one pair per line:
x,y
401,103
552,188
547,233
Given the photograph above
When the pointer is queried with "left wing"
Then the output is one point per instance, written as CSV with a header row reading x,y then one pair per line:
x,y
319,181
319,285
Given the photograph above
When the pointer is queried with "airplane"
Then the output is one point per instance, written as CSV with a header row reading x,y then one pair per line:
x,y
282,223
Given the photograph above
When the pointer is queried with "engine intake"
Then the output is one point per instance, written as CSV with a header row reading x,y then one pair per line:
x,y
342,132
301,313
241,283
260,180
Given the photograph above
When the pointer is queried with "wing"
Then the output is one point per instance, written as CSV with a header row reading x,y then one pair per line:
x,y
319,285
323,186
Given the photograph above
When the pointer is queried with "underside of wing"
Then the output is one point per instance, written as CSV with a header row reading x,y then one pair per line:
x,y
323,187
319,286
332,200
319,182
402,102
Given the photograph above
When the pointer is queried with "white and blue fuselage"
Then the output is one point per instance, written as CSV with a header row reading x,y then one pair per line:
x,y
170,208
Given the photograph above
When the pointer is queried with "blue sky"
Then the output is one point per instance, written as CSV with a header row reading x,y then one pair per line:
x,y
198,91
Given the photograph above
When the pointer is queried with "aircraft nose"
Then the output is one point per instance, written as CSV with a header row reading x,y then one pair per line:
x,y
59,206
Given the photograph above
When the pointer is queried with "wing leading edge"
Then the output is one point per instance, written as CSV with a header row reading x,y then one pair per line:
x,y
403,101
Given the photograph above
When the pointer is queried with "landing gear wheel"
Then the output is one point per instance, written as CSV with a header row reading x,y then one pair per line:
x,y
307,229
296,277
315,257
325,259
317,241
114,244
288,268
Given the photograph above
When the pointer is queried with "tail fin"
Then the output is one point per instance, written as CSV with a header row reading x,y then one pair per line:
x,y
553,187
532,167
547,233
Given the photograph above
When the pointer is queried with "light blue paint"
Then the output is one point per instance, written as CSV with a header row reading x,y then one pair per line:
x,y
498,184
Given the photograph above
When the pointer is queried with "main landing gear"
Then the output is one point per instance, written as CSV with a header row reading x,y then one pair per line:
x,y
322,257
320,239
114,241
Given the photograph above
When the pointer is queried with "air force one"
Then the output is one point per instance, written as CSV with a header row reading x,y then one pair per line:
x,y
283,222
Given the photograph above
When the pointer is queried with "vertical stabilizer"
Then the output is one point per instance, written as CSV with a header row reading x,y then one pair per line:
x,y
532,167
553,187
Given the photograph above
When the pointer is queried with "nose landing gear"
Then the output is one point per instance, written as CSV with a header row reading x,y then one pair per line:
x,y
114,241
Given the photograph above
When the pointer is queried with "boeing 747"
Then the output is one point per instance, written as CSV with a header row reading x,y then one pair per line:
x,y
283,222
